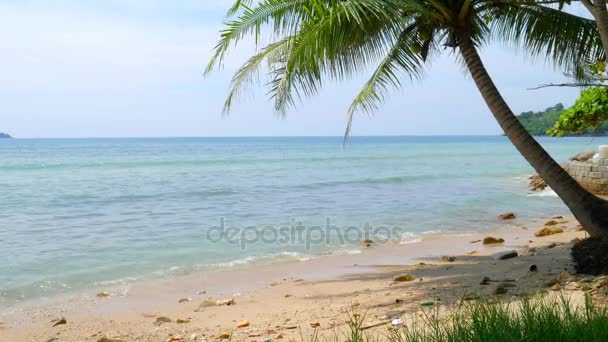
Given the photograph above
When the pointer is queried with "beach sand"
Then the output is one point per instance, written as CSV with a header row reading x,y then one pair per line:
x,y
289,300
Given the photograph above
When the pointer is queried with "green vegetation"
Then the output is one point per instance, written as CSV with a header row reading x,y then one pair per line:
x,y
589,115
546,318
4,136
558,121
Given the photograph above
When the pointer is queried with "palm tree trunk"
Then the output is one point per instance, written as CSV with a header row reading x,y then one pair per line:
x,y
597,8
590,210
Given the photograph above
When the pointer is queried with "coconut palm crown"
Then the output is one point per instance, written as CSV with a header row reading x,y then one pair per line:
x,y
318,40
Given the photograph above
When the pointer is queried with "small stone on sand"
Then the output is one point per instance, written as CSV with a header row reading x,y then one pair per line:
x,y
507,216
492,240
405,277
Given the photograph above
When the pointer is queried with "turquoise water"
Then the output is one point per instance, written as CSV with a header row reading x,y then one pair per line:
x,y
86,213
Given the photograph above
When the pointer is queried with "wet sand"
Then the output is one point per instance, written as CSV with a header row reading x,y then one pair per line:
x,y
287,299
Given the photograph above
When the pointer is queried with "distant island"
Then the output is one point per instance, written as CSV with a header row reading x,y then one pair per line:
x,y
4,136
537,123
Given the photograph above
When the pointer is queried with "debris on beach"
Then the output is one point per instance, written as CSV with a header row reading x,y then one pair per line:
x,y
107,339
448,258
183,300
162,319
243,324
315,325
475,241
405,277
229,301
505,255
182,321
492,240
472,252
224,336
397,321
507,216
367,243
104,294
549,231
59,321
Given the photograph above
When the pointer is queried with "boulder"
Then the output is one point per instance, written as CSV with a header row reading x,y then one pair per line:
x,y
583,156
537,183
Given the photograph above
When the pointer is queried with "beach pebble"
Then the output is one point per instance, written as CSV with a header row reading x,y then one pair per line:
x,y
243,324
507,216
183,300
367,243
182,321
405,277
104,294
397,321
162,319
492,240
551,223
548,231
224,336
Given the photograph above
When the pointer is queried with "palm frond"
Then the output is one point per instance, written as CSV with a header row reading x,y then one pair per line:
x,y
547,33
401,61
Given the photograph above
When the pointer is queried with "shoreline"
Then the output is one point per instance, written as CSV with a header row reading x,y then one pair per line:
x,y
161,297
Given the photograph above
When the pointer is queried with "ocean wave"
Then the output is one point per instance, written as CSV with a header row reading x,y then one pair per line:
x,y
548,192
383,180
285,255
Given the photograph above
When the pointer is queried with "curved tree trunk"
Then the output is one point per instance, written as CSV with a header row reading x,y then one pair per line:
x,y
590,210
597,8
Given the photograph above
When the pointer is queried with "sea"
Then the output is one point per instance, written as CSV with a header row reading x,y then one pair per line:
x,y
86,213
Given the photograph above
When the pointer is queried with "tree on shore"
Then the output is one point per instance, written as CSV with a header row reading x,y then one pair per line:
x,y
334,39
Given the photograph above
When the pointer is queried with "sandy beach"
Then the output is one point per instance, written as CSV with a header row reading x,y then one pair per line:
x,y
291,300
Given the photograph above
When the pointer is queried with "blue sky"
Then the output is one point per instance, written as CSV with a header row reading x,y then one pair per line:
x,y
133,68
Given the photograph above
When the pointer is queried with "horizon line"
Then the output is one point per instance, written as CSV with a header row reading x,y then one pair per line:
x,y
260,136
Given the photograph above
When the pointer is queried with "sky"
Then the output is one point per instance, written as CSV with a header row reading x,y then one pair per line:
x,y
133,68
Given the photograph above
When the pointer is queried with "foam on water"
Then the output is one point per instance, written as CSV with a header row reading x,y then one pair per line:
x,y
81,213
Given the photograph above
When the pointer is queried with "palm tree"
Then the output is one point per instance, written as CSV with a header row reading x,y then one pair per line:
x,y
316,40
